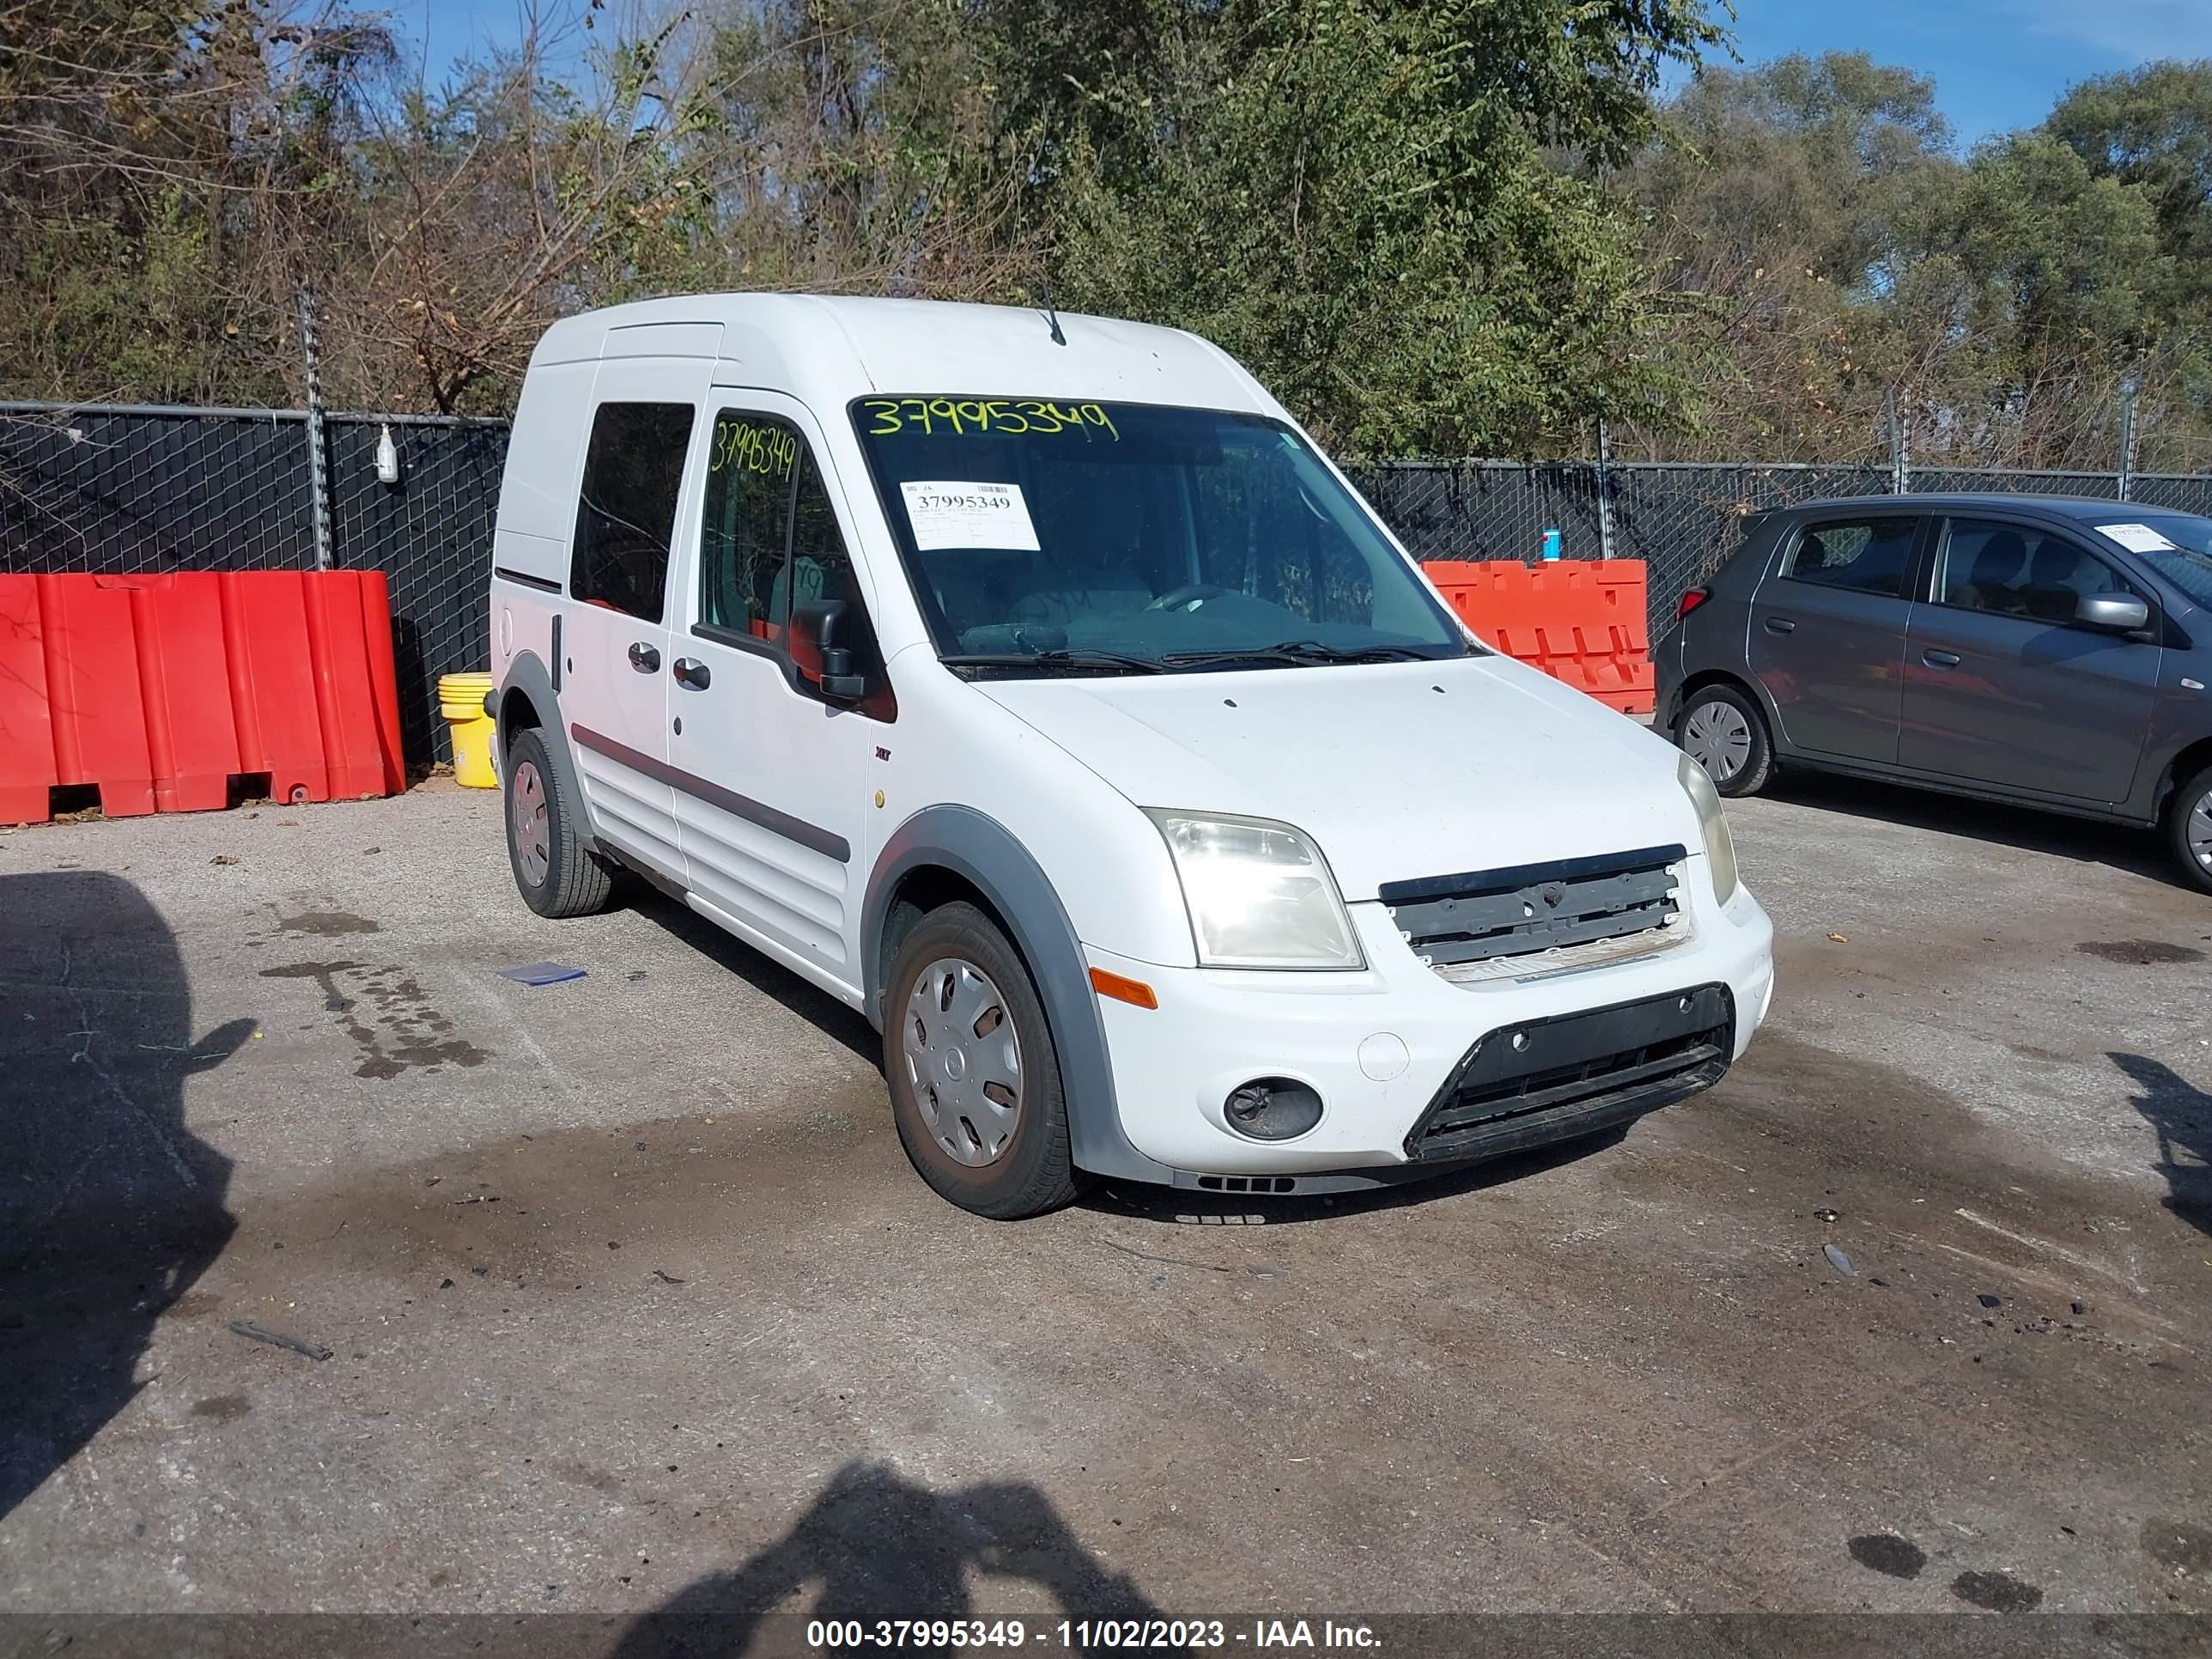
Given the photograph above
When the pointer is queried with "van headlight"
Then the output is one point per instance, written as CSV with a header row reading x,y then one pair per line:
x,y
1719,850
1259,893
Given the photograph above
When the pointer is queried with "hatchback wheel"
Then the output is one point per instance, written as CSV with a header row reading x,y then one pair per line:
x,y
2189,830
975,1079
1723,731
548,844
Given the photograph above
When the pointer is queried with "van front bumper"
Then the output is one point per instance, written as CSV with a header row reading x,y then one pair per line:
x,y
1417,1074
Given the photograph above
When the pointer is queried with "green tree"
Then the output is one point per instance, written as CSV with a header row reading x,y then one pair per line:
x,y
1774,196
2026,292
2150,129
1387,211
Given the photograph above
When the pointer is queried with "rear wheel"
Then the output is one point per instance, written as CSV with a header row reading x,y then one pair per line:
x,y
548,837
2189,830
1723,731
975,1080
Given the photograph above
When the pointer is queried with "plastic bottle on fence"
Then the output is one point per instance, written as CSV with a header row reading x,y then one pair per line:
x,y
1550,544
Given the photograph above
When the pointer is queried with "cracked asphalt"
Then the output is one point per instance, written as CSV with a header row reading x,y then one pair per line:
x,y
634,1310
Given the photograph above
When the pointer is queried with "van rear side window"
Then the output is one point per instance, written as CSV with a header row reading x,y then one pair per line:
x,y
626,511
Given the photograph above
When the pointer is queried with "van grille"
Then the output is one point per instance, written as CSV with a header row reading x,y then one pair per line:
x,y
1484,924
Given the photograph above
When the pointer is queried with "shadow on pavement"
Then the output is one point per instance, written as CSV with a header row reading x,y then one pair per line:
x,y
2182,1115
771,979
875,1545
2119,846
109,1207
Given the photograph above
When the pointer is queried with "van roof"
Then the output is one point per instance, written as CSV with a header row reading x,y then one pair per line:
x,y
829,350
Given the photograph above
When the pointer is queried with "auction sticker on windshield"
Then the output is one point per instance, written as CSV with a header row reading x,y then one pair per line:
x,y
2138,538
948,514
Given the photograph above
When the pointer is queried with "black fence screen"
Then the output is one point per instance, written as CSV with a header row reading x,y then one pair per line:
x,y
130,489
134,490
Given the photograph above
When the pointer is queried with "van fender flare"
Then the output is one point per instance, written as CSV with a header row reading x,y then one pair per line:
x,y
988,855
528,675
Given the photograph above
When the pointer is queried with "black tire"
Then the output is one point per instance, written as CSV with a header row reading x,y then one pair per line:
x,y
1031,1170
1752,772
2193,796
572,879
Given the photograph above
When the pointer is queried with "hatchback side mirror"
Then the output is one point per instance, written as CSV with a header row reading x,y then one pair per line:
x,y
818,651
2123,613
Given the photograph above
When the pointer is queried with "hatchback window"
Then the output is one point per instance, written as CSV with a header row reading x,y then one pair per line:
x,y
626,510
2018,570
1870,556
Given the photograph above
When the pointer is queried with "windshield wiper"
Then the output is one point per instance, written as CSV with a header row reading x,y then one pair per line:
x,y
1050,660
1296,652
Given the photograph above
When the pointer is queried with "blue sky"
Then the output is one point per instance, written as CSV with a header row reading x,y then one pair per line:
x,y
1997,64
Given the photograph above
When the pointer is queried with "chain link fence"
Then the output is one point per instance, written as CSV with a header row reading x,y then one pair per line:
x,y
133,490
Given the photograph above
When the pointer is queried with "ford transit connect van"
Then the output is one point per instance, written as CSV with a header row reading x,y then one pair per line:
x,y
1033,685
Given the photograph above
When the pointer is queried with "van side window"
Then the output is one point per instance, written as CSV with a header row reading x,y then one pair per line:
x,y
626,510
751,469
770,541
820,567
1869,555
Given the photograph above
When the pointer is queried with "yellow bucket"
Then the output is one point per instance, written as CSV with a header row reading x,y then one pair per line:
x,y
461,701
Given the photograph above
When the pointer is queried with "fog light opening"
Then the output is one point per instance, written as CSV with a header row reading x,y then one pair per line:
x,y
1271,1108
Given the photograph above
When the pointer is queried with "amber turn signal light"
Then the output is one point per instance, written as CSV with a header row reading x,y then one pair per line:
x,y
1134,991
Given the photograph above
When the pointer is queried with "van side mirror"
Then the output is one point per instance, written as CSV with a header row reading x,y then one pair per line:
x,y
818,651
2123,613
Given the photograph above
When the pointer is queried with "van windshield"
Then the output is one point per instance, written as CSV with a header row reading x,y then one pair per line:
x,y
1047,536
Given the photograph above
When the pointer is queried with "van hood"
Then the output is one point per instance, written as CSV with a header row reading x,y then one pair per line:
x,y
1397,770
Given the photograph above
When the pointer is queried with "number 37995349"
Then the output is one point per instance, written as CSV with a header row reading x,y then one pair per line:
x,y
964,416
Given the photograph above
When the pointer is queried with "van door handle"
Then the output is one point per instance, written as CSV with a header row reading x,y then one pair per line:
x,y
689,671
1940,659
644,658
1780,625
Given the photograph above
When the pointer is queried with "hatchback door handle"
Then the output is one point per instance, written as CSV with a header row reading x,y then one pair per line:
x,y
644,658
1780,625
1940,659
689,671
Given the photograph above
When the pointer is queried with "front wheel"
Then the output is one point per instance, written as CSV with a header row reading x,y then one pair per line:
x,y
548,840
975,1079
1724,731
2189,830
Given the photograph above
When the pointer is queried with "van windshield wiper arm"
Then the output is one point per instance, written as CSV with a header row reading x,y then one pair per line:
x,y
1296,652
1077,660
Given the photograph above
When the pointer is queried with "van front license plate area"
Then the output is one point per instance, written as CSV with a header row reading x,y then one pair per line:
x,y
1551,1079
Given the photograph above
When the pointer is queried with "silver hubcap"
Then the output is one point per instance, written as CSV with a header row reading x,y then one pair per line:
x,y
964,1061
525,809
2199,830
1717,738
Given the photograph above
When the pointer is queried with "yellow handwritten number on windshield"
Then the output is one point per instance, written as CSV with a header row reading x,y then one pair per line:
x,y
973,417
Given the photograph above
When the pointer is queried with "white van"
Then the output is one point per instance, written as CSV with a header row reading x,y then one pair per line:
x,y
1033,685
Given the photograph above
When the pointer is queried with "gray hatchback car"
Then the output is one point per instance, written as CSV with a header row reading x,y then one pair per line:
x,y
2048,651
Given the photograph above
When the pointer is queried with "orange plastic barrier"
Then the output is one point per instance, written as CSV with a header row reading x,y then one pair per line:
x,y
161,689
1581,621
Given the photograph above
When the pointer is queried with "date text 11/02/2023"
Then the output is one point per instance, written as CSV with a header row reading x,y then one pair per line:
x,y
1086,1635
